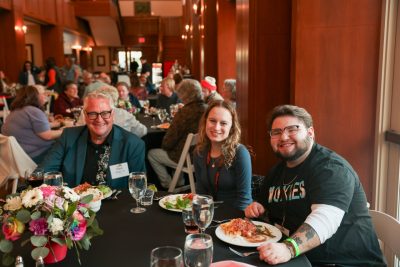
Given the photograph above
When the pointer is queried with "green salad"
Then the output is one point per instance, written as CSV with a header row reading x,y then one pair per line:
x,y
180,202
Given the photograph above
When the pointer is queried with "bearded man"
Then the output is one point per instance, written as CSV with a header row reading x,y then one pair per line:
x,y
315,198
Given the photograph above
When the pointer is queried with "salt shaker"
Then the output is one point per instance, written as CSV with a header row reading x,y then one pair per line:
x,y
39,262
19,262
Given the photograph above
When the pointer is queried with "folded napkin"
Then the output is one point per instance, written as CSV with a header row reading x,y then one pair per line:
x,y
230,264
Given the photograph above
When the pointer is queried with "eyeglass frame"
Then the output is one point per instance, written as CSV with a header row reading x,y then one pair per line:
x,y
285,130
105,115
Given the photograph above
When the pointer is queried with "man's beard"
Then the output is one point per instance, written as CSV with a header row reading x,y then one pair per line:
x,y
299,151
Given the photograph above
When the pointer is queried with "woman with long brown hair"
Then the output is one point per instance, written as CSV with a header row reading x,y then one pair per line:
x,y
222,164
28,123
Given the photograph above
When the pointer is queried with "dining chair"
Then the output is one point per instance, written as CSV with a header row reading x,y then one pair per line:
x,y
4,113
14,162
388,230
191,140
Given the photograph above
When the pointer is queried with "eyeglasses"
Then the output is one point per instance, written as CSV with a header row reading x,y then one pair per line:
x,y
93,115
290,130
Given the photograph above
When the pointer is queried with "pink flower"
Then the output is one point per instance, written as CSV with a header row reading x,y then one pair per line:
x,y
48,191
12,229
78,227
38,226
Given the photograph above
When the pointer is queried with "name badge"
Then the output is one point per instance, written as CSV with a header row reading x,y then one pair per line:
x,y
119,170
282,229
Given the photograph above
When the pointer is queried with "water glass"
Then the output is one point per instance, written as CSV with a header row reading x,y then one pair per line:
x,y
147,199
198,250
166,257
203,211
53,178
137,185
188,221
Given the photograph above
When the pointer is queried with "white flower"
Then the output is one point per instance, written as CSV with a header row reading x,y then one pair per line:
x,y
97,194
13,203
56,226
32,197
70,194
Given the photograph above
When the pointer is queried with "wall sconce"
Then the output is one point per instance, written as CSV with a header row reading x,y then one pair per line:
x,y
77,47
87,48
184,37
22,28
187,27
197,8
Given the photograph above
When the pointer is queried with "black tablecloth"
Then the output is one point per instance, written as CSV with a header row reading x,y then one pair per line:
x,y
129,238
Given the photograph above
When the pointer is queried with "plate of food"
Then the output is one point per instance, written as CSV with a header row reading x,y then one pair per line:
x,y
163,126
247,233
177,202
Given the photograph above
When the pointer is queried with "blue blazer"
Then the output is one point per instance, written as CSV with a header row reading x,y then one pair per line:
x,y
68,155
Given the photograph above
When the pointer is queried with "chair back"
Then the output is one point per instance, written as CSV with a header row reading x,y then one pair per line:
x,y
4,113
191,140
388,230
13,161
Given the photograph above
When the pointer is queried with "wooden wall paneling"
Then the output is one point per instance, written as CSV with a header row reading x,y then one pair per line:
x,y
208,35
6,4
141,25
267,83
336,75
12,48
52,43
42,10
172,26
226,40
174,48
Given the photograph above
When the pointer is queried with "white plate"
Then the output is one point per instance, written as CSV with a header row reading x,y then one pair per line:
x,y
172,199
242,242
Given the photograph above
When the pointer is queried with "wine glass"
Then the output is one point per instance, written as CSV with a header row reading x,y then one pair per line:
x,y
53,179
198,250
76,111
137,186
146,106
162,115
166,257
34,178
203,211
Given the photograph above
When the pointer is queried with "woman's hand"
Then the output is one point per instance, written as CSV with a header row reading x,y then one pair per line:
x,y
274,253
254,210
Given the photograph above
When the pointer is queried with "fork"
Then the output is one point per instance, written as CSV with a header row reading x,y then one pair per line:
x,y
242,254
221,221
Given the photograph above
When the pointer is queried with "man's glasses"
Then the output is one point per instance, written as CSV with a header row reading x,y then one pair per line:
x,y
290,130
93,115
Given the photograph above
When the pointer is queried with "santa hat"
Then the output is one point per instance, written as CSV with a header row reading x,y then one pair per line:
x,y
209,83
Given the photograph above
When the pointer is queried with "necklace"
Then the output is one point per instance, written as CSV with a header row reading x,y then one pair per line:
x,y
294,178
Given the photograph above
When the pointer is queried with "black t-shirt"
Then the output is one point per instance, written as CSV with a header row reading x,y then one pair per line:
x,y
324,178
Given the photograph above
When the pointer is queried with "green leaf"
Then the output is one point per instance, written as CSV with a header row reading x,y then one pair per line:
x,y
8,259
85,242
86,199
71,209
23,216
69,243
40,252
38,240
6,246
60,241
35,215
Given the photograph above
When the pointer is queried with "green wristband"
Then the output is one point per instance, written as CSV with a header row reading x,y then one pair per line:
x,y
295,246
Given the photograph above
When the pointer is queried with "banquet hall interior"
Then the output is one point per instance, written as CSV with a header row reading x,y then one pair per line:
x,y
339,59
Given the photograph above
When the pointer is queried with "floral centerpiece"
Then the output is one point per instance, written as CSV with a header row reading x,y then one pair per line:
x,y
46,215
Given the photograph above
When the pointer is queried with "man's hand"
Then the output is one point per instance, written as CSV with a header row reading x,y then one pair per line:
x,y
254,210
274,253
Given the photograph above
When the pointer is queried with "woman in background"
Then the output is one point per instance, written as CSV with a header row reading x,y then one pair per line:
x,y
28,123
222,165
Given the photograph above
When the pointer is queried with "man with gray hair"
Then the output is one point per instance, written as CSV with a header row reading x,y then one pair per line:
x,y
185,121
98,152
